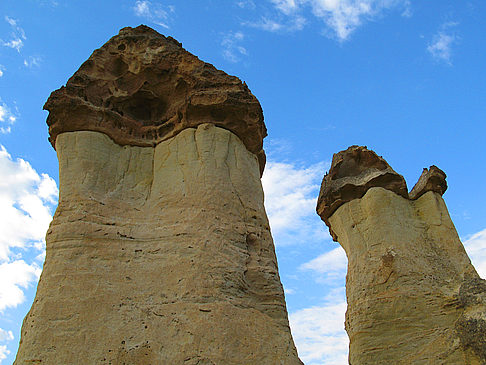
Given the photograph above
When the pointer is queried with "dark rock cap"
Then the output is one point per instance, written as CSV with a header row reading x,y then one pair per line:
x,y
352,173
432,179
357,169
141,88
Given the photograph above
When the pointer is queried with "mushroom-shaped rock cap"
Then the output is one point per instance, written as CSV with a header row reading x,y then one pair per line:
x,y
352,173
141,88
432,179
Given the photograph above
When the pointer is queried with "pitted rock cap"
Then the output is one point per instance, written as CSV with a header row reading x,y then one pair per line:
x,y
141,88
357,169
432,179
352,173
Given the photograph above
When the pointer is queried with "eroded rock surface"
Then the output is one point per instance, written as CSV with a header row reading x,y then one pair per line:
x,y
352,173
159,253
432,179
141,88
413,295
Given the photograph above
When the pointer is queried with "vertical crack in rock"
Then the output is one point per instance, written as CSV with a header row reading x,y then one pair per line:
x,y
413,295
160,250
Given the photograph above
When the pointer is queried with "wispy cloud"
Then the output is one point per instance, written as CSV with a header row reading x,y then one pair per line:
x,y
155,13
17,35
232,47
5,336
7,118
341,17
2,69
441,45
319,332
476,249
290,201
246,4
286,6
330,266
27,199
32,61
3,352
16,277
292,24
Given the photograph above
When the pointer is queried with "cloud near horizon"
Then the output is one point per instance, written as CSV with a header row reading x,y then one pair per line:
x,y
27,201
290,201
475,246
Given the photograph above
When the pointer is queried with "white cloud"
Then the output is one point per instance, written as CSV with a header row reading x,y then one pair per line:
x,y
441,46
476,249
7,118
332,265
290,201
293,23
286,6
17,35
3,352
6,335
341,17
232,48
155,13
26,200
32,61
250,4
319,332
16,276
1,70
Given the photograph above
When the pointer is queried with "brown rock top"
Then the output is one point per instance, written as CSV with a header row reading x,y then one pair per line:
x,y
432,179
413,295
352,173
141,88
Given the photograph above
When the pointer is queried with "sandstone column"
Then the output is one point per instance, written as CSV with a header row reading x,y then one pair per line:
x,y
160,250
413,295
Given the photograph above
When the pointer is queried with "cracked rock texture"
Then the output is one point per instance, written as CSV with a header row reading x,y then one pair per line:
x,y
413,295
158,256
160,250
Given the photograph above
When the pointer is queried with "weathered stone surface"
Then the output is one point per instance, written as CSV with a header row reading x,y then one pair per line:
x,y
160,250
413,295
141,88
352,173
158,255
432,179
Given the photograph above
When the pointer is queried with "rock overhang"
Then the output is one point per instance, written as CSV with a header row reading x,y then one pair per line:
x,y
357,169
141,88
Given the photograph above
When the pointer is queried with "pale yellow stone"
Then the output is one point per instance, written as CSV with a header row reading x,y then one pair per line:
x,y
158,256
413,295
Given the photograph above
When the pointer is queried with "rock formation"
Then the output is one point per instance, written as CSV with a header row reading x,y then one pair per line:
x,y
413,295
160,250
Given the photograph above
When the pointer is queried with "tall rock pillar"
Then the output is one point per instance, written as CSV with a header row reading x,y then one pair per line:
x,y
413,295
160,250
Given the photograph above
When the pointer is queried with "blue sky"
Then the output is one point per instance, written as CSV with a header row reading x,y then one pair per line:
x,y
405,78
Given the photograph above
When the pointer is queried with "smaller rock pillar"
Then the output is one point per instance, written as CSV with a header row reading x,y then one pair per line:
x,y
413,295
